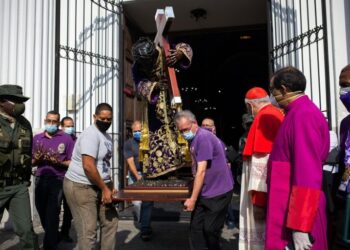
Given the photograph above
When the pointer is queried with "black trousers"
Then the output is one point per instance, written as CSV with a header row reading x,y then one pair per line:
x,y
48,200
207,220
67,218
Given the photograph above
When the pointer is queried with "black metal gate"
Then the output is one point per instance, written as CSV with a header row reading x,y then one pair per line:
x,y
298,38
87,66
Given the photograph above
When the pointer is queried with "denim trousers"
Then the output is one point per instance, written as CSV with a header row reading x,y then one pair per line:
x,y
48,199
143,209
85,204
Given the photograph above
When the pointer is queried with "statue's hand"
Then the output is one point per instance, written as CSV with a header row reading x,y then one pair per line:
x,y
175,56
162,84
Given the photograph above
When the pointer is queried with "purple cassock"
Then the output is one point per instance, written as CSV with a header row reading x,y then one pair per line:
x,y
295,197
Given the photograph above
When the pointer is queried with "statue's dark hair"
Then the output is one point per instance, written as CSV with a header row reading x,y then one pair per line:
x,y
144,50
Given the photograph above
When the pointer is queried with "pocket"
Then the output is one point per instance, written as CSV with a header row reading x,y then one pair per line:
x,y
4,160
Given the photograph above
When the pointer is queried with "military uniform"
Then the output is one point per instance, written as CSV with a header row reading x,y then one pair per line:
x,y
15,166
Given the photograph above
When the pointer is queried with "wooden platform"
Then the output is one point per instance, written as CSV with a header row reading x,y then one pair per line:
x,y
157,190
148,195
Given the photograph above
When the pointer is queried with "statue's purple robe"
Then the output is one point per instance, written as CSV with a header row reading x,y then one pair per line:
x,y
295,197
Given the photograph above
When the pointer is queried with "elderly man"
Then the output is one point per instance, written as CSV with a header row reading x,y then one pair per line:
x,y
213,183
296,210
267,120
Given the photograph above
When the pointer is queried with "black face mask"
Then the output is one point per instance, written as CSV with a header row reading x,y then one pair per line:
x,y
13,109
103,126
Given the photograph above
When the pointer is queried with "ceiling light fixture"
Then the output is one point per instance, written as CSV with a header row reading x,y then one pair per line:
x,y
245,37
198,13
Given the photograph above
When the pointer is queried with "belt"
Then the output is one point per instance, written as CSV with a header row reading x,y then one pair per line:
x,y
9,182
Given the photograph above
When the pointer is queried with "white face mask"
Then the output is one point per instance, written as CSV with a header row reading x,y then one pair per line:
x,y
273,100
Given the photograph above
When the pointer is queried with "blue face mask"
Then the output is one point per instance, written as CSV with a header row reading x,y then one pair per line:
x,y
69,130
344,96
137,135
188,135
51,129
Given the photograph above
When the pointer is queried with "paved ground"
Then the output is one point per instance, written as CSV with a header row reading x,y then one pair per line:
x,y
170,227
167,236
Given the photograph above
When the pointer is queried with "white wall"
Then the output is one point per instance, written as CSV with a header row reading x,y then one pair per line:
x,y
338,22
27,58
27,43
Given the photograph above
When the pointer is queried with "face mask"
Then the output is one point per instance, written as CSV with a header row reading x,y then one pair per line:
x,y
69,130
51,129
137,135
283,100
345,97
103,126
13,109
188,135
273,100
209,129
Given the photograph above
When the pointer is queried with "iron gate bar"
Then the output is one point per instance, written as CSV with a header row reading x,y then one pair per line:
x,y
106,7
309,45
294,32
84,54
326,64
57,56
301,28
121,99
75,61
83,115
318,58
278,50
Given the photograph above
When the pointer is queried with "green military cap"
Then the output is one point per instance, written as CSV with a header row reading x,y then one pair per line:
x,y
14,91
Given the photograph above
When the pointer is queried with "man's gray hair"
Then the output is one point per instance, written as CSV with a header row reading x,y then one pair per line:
x,y
185,114
258,100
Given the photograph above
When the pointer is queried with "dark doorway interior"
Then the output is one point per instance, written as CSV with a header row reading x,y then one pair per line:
x,y
224,67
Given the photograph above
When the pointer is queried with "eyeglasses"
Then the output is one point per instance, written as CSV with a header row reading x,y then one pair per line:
x,y
186,129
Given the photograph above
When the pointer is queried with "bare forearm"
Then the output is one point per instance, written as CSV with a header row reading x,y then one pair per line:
x,y
132,166
198,184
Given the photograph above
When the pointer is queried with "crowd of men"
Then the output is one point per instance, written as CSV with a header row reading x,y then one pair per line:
x,y
282,202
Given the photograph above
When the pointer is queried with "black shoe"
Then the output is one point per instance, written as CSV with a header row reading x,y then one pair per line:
x,y
66,238
146,236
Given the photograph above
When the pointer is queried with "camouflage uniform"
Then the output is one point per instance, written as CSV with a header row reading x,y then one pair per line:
x,y
15,165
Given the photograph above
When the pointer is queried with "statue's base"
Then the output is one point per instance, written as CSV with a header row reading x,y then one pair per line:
x,y
171,190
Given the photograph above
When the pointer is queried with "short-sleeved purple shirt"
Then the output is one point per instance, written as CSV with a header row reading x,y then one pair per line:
x,y
61,144
218,180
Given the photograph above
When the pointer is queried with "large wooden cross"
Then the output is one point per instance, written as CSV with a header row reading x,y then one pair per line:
x,y
164,19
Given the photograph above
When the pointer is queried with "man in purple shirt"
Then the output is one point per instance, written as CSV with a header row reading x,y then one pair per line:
x,y
52,152
213,183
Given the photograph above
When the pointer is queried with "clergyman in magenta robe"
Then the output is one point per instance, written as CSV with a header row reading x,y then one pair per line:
x,y
296,204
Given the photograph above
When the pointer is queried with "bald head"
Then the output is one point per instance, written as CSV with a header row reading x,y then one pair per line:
x,y
136,126
209,124
344,78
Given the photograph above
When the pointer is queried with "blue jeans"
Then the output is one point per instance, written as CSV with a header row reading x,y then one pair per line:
x,y
143,209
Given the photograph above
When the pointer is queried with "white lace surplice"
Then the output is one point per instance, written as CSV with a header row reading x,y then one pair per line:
x,y
252,231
